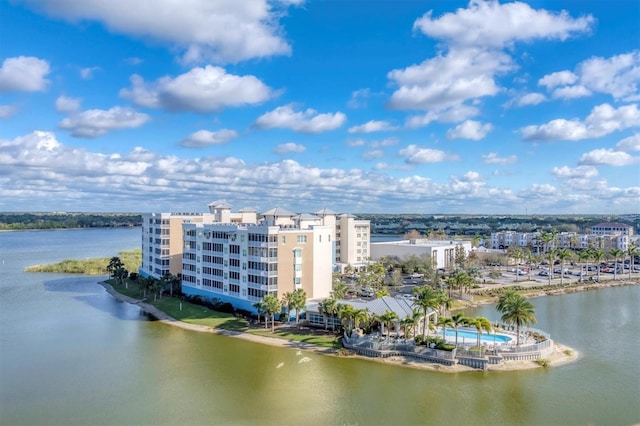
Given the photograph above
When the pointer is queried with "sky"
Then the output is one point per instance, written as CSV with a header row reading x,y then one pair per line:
x,y
361,106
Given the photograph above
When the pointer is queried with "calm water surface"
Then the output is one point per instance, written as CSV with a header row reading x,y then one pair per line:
x,y
71,354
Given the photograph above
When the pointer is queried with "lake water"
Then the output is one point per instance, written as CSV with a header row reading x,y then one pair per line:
x,y
72,355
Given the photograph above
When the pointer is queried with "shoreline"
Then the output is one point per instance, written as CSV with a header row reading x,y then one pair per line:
x,y
557,358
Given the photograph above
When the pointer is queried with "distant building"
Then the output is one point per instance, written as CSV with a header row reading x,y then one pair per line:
x,y
612,228
442,252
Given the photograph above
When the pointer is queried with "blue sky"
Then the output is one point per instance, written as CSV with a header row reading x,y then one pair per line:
x,y
364,106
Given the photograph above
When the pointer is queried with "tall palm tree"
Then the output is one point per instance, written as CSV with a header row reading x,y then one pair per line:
x,y
427,299
445,322
632,252
480,323
598,257
563,255
458,320
551,257
259,309
443,302
359,315
287,302
387,318
346,312
616,254
114,263
299,302
406,324
516,310
584,257
271,306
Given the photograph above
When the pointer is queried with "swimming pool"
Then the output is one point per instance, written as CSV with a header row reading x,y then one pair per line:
x,y
471,336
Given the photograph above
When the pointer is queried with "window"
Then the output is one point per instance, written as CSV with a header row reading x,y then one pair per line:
x,y
302,239
284,239
297,267
297,253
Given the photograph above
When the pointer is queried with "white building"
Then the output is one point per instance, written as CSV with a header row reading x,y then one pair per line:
x,y
442,252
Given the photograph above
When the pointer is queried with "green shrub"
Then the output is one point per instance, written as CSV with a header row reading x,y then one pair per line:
x,y
568,352
542,361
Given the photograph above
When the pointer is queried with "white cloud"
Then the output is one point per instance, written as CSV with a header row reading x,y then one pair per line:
x,y
133,60
289,147
474,43
24,74
494,158
353,143
453,114
96,122
200,89
307,121
202,30
373,154
59,177
372,126
602,120
359,98
413,154
632,143
469,129
608,157
577,172
560,78
203,138
617,76
87,73
384,143
7,111
67,104
491,24
571,92
448,80
531,99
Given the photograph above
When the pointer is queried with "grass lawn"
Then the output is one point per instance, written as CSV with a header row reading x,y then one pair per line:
x,y
201,315
301,335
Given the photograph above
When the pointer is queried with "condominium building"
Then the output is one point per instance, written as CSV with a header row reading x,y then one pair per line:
x,y
241,257
612,228
241,263
619,236
352,241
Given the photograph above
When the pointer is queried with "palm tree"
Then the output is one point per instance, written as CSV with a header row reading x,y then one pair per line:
x,y
480,323
516,310
445,322
259,309
287,302
443,302
114,263
632,251
387,318
330,306
346,312
120,274
427,299
459,280
406,324
584,257
382,292
598,257
172,281
563,255
458,320
271,306
359,315
616,254
551,257
299,302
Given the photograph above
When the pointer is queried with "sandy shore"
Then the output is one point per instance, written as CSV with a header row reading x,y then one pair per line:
x,y
561,354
